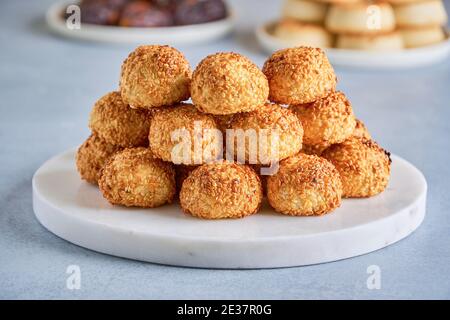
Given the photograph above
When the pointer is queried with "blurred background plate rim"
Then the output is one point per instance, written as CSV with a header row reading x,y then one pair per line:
x,y
406,58
175,35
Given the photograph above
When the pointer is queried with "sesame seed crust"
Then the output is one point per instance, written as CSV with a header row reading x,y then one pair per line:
x,y
182,117
326,121
182,172
299,75
314,149
361,130
227,83
363,165
92,156
154,76
115,122
277,120
135,178
221,190
305,185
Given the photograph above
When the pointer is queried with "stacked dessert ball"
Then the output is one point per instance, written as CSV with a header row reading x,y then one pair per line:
x,y
362,24
310,151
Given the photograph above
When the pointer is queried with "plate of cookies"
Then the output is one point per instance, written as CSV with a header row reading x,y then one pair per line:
x,y
184,22
366,34
228,166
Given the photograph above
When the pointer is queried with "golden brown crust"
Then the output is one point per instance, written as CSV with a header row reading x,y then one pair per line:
x,y
361,130
227,83
326,121
154,76
92,156
182,172
221,190
299,75
314,149
177,120
135,178
363,165
305,185
118,124
279,123
224,121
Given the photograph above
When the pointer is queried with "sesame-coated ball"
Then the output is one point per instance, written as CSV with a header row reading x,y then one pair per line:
x,y
183,135
227,83
364,166
115,122
91,157
299,75
221,190
277,134
154,76
135,178
304,185
326,121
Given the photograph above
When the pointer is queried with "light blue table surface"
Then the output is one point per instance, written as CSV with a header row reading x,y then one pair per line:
x,y
47,87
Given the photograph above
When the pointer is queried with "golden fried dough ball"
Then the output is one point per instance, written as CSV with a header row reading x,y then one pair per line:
x,y
91,157
226,83
154,76
221,190
118,124
364,166
326,121
277,134
305,185
361,130
174,132
135,178
299,75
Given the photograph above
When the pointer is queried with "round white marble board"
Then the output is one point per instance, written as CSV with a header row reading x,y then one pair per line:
x,y
76,211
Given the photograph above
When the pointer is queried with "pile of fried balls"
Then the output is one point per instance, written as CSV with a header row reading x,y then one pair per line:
x,y
324,153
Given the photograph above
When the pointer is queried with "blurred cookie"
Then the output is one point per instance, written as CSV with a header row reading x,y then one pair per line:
x,y
144,14
360,18
418,37
420,14
305,10
104,12
294,33
376,42
198,11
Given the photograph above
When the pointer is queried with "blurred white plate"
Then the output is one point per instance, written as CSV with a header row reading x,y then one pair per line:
x,y
407,58
76,211
177,35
